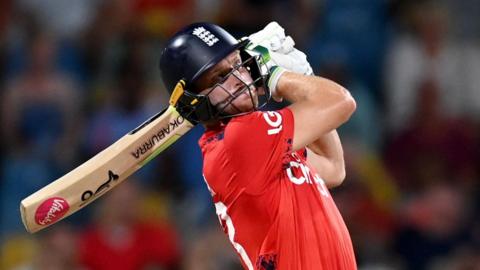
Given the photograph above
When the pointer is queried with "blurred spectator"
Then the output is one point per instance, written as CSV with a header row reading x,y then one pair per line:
x,y
40,123
364,127
433,147
41,106
62,18
163,17
56,249
359,28
428,53
16,250
153,20
120,240
210,250
255,13
20,176
5,17
367,200
434,224
103,37
121,106
463,258
258,13
465,23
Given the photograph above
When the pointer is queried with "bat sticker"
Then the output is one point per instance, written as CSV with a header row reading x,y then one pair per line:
x,y
51,210
157,137
87,195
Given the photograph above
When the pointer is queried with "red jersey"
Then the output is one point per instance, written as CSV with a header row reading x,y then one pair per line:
x,y
274,207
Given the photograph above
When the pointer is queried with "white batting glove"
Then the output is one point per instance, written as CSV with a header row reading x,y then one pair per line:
x,y
278,54
280,47
269,37
294,61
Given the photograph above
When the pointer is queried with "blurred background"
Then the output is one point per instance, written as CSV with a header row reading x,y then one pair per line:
x,y
77,75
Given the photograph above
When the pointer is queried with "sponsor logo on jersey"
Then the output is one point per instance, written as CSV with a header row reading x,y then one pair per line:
x,y
273,119
51,210
299,173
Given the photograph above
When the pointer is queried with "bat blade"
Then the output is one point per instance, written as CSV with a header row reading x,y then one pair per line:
x,y
87,182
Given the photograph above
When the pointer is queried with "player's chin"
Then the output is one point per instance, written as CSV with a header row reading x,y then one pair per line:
x,y
242,104
248,100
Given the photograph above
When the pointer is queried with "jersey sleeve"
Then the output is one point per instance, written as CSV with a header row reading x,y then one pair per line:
x,y
257,145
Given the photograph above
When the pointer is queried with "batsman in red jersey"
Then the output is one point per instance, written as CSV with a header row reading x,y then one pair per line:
x,y
268,171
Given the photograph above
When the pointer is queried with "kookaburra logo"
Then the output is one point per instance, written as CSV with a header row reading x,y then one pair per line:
x,y
205,36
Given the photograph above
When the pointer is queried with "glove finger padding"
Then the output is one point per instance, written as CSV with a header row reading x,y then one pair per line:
x,y
287,45
278,54
295,61
264,36
275,43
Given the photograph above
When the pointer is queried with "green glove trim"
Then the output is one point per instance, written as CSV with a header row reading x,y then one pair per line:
x,y
263,52
275,73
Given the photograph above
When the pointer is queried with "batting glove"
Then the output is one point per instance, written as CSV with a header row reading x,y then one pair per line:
x,y
278,54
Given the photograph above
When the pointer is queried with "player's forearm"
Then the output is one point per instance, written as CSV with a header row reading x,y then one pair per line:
x,y
319,106
326,155
296,87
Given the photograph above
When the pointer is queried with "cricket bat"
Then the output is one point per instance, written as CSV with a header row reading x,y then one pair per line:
x,y
105,170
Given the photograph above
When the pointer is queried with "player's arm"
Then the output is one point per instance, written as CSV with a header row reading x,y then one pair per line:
x,y
326,155
318,105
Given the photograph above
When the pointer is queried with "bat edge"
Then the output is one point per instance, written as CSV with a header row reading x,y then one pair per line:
x,y
23,214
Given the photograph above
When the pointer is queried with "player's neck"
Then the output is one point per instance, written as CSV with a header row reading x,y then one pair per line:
x,y
215,124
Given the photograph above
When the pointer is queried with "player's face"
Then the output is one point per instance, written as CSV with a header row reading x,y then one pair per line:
x,y
229,86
